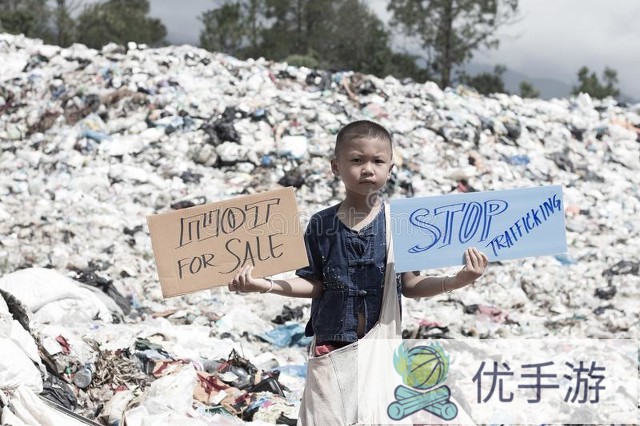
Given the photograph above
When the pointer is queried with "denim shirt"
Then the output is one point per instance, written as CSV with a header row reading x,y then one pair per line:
x,y
351,265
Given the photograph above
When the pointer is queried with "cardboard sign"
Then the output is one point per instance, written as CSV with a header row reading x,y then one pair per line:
x,y
205,246
433,232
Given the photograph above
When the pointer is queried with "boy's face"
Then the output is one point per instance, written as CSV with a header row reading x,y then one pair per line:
x,y
363,164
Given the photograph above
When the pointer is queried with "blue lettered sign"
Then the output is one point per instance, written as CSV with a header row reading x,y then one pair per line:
x,y
433,232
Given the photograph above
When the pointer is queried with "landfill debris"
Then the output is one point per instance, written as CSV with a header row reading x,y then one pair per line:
x,y
93,141
290,314
287,335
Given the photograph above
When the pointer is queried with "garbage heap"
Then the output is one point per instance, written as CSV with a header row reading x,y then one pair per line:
x,y
92,142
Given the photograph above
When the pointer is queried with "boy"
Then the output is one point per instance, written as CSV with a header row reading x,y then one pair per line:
x,y
347,251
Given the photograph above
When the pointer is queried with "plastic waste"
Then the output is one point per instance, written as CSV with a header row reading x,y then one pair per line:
x,y
287,335
293,370
270,384
518,160
288,314
82,378
183,204
565,259
605,293
622,268
294,146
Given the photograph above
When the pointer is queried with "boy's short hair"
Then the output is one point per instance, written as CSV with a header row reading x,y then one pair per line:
x,y
361,129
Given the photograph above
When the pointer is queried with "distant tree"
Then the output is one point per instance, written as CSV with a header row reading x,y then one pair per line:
x,y
589,83
311,28
284,36
308,61
345,34
255,17
27,17
527,90
119,21
351,37
238,27
450,31
486,82
224,29
64,26
332,34
405,65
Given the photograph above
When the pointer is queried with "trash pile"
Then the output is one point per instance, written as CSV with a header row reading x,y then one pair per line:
x,y
92,142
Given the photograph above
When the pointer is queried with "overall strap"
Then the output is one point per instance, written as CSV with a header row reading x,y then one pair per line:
x,y
390,312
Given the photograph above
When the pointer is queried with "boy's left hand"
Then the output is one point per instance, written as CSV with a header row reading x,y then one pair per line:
x,y
475,265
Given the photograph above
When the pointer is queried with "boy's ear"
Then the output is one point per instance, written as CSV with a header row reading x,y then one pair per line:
x,y
334,166
390,170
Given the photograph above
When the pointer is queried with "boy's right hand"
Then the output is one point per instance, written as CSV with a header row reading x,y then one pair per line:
x,y
244,282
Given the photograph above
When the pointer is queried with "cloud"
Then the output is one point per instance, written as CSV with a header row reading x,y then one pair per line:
x,y
556,38
183,25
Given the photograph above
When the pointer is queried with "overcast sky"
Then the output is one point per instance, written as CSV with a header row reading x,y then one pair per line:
x,y
553,38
